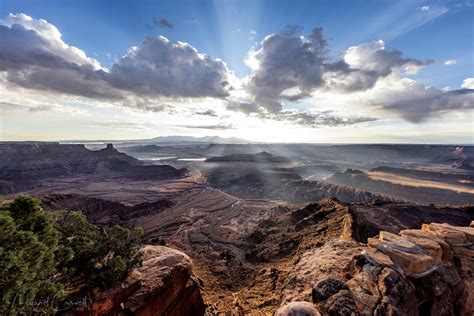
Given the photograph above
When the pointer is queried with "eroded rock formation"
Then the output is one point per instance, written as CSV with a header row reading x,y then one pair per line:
x,y
163,285
254,258
427,271
26,166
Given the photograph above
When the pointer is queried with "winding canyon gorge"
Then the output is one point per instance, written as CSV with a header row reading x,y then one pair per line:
x,y
237,230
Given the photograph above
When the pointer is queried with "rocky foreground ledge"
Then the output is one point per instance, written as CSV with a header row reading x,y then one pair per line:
x,y
164,285
427,271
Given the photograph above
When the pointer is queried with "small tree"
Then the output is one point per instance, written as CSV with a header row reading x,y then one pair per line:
x,y
40,254
101,258
28,241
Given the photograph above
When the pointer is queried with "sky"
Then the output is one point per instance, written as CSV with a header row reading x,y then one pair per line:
x,y
268,71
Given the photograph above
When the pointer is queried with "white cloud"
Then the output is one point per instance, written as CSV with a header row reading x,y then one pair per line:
x,y
47,37
34,56
163,76
468,83
450,62
159,67
425,8
415,102
292,67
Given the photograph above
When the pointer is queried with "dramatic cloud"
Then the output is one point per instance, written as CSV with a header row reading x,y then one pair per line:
x,y
163,23
33,55
468,83
291,67
159,75
415,102
450,62
365,64
45,39
160,67
286,61
311,119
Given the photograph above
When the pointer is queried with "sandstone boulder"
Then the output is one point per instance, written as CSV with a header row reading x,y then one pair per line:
x,y
428,271
447,253
451,234
300,308
412,258
163,285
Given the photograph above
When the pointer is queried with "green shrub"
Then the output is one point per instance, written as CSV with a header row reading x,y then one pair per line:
x,y
101,258
28,240
41,254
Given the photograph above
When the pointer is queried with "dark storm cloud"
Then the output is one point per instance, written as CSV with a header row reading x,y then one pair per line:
x,y
163,23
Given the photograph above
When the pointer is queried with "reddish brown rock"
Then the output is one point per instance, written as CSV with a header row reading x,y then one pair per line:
x,y
297,309
449,233
412,258
447,253
162,286
318,264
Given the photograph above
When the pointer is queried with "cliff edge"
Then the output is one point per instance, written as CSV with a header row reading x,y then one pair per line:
x,y
427,271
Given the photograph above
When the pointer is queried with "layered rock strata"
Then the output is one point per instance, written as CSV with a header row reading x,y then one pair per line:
x,y
427,271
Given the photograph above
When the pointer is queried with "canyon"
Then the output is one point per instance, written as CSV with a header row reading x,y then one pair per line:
x,y
251,234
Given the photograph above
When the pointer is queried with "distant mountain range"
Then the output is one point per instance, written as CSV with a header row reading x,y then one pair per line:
x,y
205,139
169,139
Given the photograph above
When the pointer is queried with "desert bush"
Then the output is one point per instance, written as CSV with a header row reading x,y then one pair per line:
x,y
42,253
